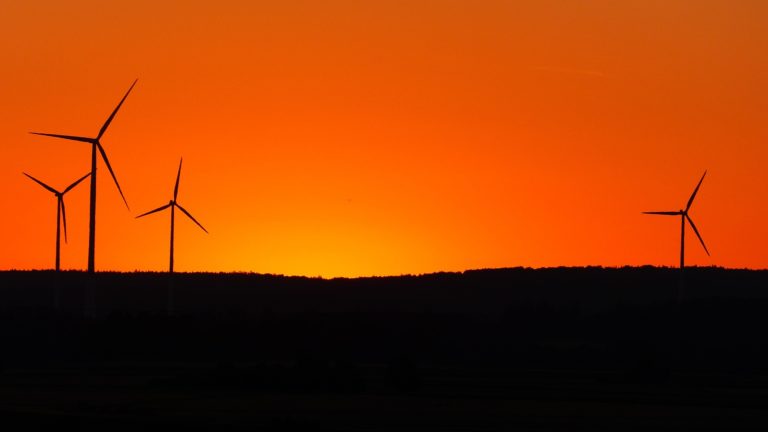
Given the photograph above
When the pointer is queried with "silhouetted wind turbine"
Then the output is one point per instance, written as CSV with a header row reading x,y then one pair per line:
x,y
95,145
683,217
61,213
173,204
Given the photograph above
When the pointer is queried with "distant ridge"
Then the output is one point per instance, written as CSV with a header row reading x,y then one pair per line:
x,y
486,292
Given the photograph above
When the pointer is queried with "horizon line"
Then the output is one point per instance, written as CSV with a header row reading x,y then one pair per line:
x,y
438,272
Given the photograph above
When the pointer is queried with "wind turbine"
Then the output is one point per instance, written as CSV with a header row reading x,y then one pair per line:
x,y
683,217
95,145
173,204
61,213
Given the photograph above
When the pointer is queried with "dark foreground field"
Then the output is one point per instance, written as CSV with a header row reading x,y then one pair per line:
x,y
513,349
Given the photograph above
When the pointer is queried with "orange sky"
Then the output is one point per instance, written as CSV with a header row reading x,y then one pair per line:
x,y
344,138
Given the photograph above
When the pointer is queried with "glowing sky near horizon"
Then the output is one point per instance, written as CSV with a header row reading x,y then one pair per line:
x,y
345,138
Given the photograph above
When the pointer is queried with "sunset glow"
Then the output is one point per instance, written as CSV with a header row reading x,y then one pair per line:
x,y
346,138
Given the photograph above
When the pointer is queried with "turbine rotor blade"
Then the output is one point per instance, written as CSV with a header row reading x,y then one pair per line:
x,y
42,184
154,211
690,221
693,195
109,167
66,137
63,216
70,187
190,216
665,213
178,176
112,116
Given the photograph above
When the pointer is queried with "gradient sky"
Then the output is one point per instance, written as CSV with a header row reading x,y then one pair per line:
x,y
344,138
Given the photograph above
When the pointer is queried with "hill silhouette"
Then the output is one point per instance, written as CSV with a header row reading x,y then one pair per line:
x,y
486,349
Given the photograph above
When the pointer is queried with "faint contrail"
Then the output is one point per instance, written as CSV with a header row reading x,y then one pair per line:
x,y
586,72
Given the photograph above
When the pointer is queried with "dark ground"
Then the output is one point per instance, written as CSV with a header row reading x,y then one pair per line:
x,y
512,349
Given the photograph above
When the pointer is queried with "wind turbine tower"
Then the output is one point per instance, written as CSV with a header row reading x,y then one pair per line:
x,y
61,213
95,146
683,218
174,204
